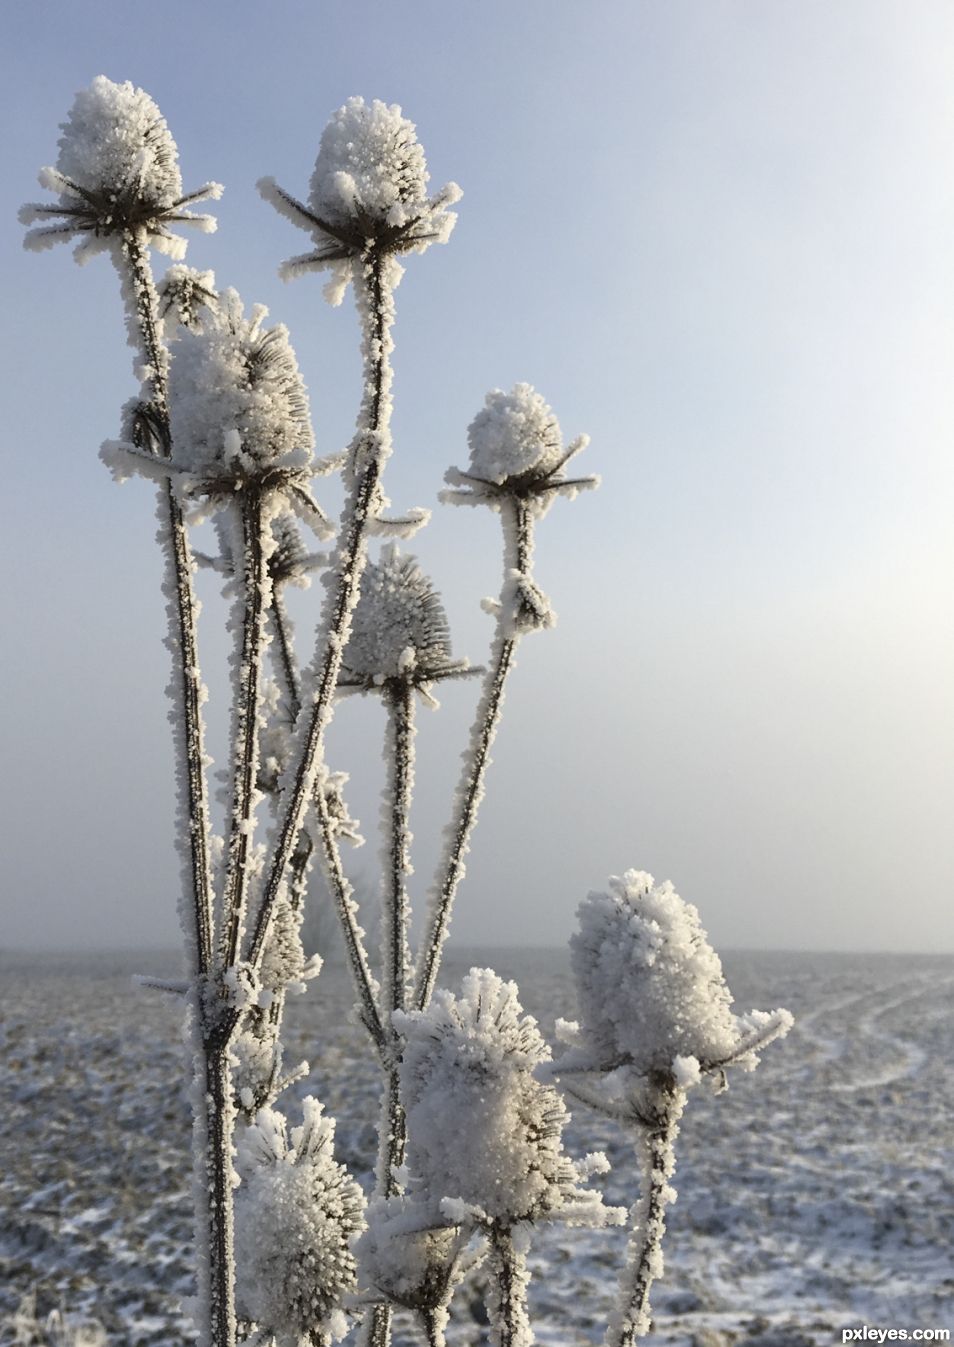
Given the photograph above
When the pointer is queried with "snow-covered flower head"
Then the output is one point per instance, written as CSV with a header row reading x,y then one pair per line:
x,y
117,173
516,450
483,1131
399,629
238,410
368,192
370,167
651,991
297,1215
409,1253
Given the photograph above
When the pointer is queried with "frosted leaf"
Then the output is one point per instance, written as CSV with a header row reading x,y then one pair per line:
x,y
651,992
185,294
409,1253
481,1127
297,1215
117,173
237,401
399,625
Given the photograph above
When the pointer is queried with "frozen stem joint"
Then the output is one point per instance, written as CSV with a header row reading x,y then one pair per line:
x,y
368,194
652,995
117,174
297,1215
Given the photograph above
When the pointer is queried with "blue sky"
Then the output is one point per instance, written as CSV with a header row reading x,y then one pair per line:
x,y
717,237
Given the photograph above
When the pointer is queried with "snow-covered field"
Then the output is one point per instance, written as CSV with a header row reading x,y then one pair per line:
x,y
817,1194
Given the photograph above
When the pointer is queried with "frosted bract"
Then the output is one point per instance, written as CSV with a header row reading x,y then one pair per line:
x,y
481,1128
237,401
650,986
184,294
371,163
297,1214
513,435
115,141
399,624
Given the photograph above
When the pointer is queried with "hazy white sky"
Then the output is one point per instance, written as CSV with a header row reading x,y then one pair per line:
x,y
718,237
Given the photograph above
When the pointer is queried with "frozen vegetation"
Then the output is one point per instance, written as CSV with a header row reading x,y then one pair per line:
x,y
817,1195
299,1236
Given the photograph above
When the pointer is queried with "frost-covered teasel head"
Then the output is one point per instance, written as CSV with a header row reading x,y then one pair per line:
x,y
483,1131
399,630
651,991
517,451
117,173
409,1253
368,192
297,1215
239,412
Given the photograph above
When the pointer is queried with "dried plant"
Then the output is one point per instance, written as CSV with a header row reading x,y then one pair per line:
x,y
290,1251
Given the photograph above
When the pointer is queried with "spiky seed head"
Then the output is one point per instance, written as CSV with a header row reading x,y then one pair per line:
x,y
297,1215
399,627
515,435
237,400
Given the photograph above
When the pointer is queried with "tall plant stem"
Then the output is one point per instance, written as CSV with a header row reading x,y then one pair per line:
x,y
518,551
212,1092
193,814
341,888
247,701
375,304
431,1324
644,1262
397,913
392,1131
509,1321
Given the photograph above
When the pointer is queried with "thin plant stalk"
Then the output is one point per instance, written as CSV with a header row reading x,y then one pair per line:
x,y
340,886
518,553
373,290
392,1132
247,702
431,1325
509,1320
212,1089
644,1262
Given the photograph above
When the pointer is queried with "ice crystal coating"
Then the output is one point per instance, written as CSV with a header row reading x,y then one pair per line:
x,y
115,141
184,295
117,171
514,435
368,191
237,400
482,1129
399,625
297,1214
650,987
370,163
408,1252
